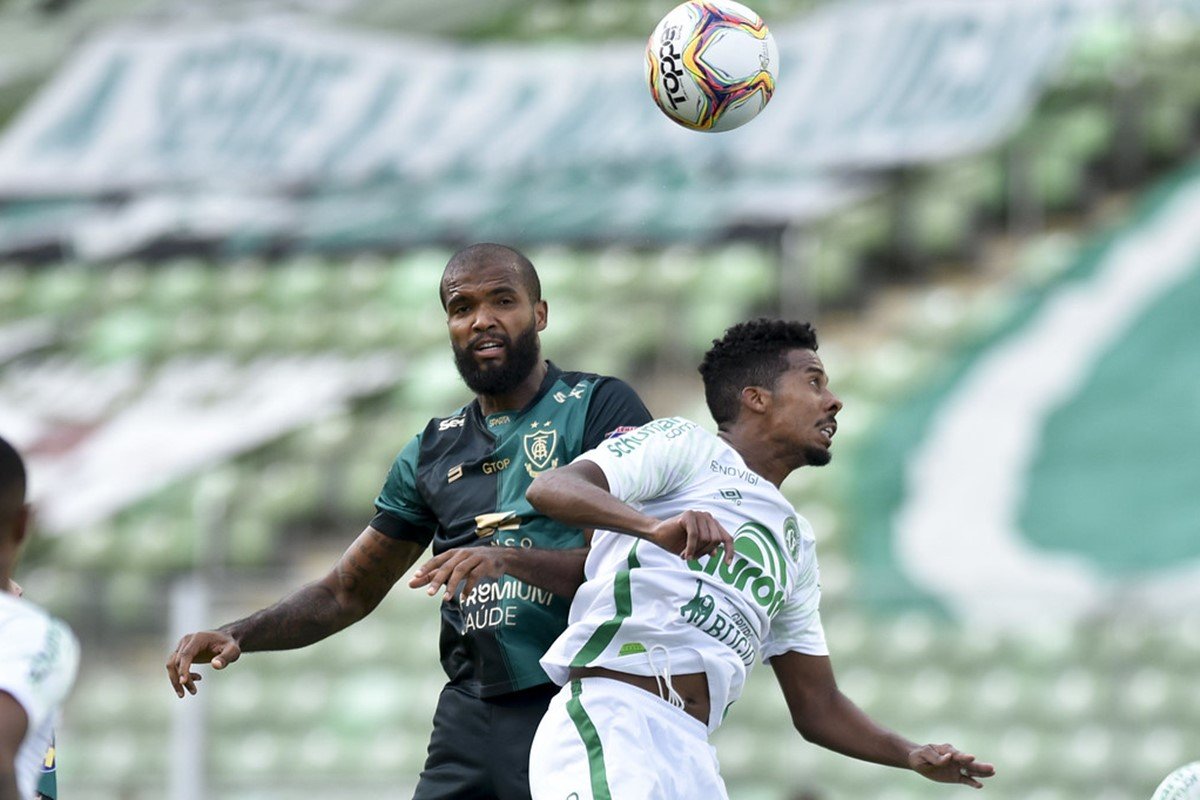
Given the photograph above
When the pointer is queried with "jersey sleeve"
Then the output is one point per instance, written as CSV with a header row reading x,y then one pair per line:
x,y
615,408
652,461
798,626
38,663
400,510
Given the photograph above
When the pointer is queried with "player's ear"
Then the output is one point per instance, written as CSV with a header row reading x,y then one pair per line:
x,y
541,313
756,399
21,523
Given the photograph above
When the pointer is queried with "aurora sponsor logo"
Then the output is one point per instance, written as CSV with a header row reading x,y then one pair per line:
x,y
759,568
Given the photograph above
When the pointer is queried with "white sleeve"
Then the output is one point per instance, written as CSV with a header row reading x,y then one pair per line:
x,y
39,657
653,460
798,626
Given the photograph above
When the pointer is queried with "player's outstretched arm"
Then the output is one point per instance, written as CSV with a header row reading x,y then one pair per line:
x,y
13,722
825,716
352,589
557,571
578,495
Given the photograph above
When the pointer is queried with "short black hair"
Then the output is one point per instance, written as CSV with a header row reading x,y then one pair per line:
x,y
750,353
12,481
488,252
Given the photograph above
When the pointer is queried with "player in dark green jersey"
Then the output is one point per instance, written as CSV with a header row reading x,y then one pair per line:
x,y
460,484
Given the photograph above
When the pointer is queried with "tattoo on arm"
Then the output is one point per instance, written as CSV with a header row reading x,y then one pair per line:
x,y
353,588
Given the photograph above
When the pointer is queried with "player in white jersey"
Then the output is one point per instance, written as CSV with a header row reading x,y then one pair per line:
x,y
658,647
38,654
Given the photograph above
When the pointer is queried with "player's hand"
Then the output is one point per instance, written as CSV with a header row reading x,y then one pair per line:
x,y
218,648
466,565
692,534
946,764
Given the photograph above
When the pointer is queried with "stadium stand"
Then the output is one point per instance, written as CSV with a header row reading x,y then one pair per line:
x,y
1075,711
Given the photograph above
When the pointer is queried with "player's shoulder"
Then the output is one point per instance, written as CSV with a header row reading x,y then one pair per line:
x,y
26,626
675,430
579,382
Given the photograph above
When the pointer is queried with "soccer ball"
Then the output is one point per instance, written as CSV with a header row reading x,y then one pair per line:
x,y
711,65
1182,784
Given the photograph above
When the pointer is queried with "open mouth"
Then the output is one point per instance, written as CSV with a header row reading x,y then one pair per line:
x,y
828,430
489,347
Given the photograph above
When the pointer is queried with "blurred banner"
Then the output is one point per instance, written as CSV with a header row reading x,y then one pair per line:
x,y
280,104
1058,460
100,437
274,129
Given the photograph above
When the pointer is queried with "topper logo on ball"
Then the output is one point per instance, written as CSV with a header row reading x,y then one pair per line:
x,y
711,65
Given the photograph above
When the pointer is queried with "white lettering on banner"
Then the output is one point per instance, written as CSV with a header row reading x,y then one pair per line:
x,y
144,107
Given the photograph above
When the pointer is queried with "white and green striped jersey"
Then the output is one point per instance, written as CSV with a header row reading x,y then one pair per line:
x,y
643,610
38,660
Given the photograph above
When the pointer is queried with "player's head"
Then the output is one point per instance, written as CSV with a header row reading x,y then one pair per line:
x,y
14,513
768,372
494,310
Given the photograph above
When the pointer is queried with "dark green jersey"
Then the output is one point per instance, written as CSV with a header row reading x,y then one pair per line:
x,y
461,483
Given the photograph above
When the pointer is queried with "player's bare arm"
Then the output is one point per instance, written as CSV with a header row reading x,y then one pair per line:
x,y
825,716
577,494
358,582
13,723
557,571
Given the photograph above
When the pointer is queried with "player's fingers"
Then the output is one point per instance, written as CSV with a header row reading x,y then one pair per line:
x,y
422,576
691,531
710,536
457,575
228,654
173,672
437,576
469,585
183,665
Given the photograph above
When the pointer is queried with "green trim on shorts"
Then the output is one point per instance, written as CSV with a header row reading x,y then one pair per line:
x,y
591,741
604,633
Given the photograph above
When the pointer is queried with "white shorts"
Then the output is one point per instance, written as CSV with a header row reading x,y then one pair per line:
x,y
602,739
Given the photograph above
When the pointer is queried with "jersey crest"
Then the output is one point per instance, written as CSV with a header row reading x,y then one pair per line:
x,y
539,450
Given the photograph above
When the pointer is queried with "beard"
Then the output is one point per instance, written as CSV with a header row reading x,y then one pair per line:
x,y
497,379
817,456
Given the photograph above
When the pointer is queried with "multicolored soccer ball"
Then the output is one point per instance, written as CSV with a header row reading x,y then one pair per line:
x,y
711,65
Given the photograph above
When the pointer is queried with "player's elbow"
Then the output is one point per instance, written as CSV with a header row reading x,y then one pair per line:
x,y
542,491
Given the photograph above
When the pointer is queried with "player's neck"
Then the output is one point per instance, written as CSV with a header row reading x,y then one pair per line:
x,y
758,453
519,397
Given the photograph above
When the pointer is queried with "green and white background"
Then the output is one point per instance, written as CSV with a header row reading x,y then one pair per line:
x,y
221,229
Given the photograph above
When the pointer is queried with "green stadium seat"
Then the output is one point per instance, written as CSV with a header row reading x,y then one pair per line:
x,y
14,284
